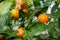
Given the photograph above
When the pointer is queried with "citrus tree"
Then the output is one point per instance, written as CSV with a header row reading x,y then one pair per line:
x,y
29,19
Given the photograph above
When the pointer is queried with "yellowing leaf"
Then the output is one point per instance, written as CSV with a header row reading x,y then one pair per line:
x,y
58,1
4,7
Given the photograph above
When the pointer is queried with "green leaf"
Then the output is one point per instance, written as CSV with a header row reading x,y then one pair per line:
x,y
36,3
5,6
44,9
37,28
8,0
17,39
11,34
34,29
3,20
59,22
52,30
28,36
57,14
47,3
29,2
54,8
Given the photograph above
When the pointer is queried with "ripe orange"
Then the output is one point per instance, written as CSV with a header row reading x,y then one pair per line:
x,y
20,33
15,13
43,18
22,3
25,11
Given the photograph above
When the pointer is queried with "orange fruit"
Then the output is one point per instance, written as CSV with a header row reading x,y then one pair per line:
x,y
23,7
15,13
43,18
21,32
25,11
22,3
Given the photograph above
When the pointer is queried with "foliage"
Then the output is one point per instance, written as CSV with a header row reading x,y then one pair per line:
x,y
33,29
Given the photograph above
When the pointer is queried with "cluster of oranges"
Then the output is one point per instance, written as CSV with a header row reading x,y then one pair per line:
x,y
43,18
20,5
